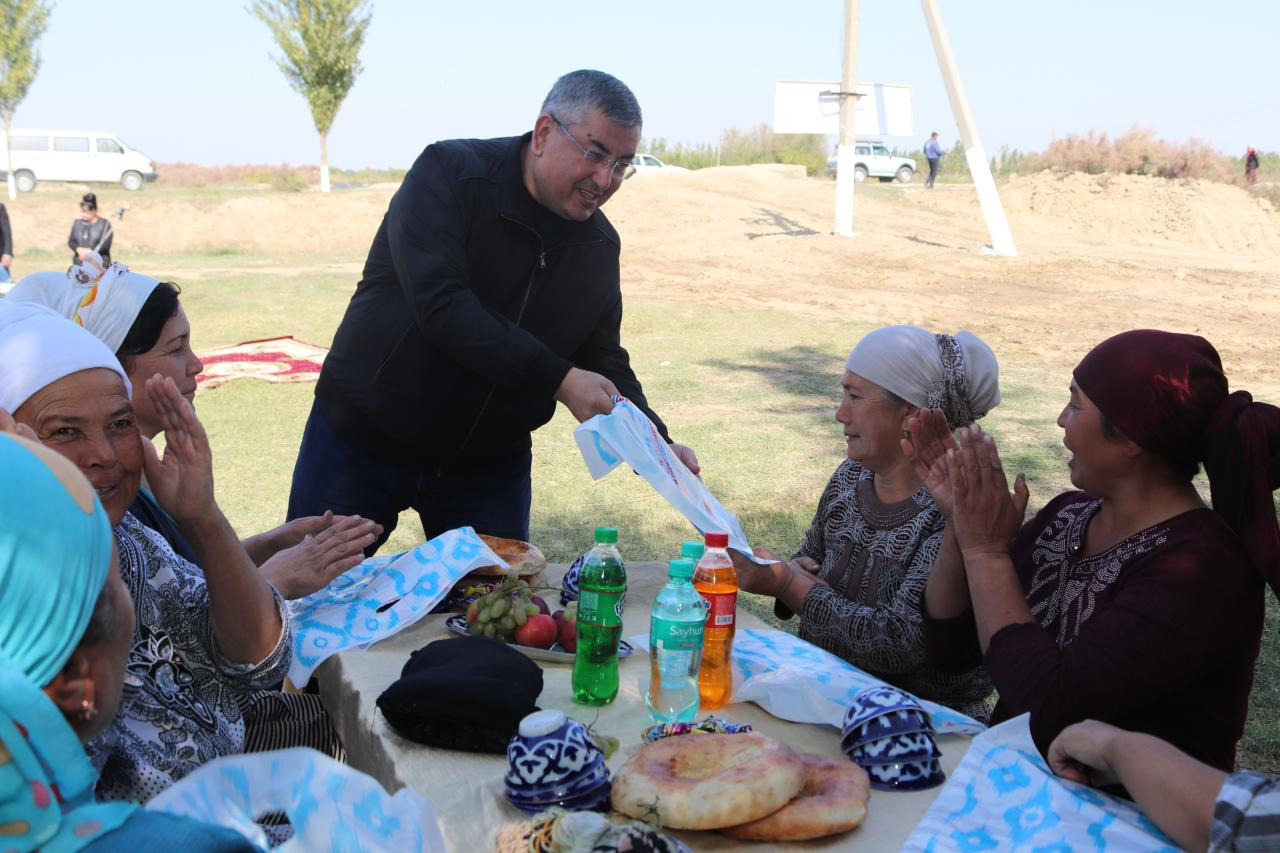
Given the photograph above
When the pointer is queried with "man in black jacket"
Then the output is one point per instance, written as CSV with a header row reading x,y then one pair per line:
x,y
490,293
6,246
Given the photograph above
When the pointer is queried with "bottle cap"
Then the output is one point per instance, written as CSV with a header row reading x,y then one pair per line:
x,y
607,535
692,550
717,540
681,569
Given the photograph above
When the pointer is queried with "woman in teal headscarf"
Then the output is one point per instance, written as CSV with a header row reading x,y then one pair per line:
x,y
66,624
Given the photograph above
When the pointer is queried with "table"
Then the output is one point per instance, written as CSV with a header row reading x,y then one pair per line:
x,y
465,789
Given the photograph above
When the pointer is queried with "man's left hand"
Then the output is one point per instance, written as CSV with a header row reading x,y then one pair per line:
x,y
687,456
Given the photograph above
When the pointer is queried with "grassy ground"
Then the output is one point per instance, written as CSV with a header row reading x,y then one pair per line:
x,y
753,393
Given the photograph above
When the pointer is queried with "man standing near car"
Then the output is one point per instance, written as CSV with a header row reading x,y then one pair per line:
x,y
933,153
490,293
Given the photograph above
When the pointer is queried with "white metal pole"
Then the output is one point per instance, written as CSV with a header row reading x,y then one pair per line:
x,y
848,106
979,168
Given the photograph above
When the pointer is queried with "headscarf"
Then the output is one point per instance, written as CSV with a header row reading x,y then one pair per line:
x,y
37,348
55,551
1167,393
957,374
106,300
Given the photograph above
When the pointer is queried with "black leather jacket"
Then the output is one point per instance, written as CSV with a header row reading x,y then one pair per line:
x,y
465,320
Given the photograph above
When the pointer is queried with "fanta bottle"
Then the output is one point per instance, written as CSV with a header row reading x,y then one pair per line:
x,y
717,583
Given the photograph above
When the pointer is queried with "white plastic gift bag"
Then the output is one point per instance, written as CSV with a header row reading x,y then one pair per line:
x,y
627,435
381,596
331,806
1003,797
795,680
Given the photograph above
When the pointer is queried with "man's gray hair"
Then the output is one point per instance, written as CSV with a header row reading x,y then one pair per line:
x,y
578,91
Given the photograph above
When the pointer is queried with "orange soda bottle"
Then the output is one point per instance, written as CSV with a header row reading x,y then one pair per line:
x,y
717,583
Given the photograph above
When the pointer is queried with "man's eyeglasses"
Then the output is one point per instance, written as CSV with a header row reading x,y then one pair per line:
x,y
617,168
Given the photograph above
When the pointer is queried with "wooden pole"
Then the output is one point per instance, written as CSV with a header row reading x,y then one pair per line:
x,y
848,106
979,168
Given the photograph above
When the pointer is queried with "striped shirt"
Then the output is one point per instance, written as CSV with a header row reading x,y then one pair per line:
x,y
1246,816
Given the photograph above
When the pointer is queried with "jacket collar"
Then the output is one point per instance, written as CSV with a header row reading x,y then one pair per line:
x,y
517,205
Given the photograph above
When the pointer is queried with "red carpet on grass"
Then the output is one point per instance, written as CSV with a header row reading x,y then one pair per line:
x,y
274,359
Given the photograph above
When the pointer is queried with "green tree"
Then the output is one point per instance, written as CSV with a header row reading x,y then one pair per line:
x,y
22,23
321,41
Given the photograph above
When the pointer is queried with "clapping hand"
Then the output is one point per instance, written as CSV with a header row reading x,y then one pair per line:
x,y
182,479
336,546
929,438
986,514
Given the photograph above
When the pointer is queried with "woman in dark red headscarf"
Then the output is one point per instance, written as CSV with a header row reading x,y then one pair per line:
x,y
1128,601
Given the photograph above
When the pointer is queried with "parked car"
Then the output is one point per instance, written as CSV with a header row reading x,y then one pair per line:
x,y
75,155
872,159
649,163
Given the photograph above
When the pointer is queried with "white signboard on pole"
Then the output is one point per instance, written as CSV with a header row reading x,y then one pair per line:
x,y
813,106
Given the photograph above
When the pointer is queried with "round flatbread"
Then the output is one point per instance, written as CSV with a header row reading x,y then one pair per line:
x,y
833,799
699,781
526,558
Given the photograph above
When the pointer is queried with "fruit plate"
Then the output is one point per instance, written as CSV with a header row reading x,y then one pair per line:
x,y
458,625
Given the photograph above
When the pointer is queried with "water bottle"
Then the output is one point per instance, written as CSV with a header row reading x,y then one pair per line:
x,y
675,648
601,585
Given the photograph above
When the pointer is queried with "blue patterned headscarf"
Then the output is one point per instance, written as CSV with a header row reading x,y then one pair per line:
x,y
55,551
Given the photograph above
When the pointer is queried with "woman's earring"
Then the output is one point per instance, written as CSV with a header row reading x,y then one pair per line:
x,y
88,710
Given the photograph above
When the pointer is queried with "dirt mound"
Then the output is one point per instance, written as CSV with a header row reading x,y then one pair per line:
x,y
1203,214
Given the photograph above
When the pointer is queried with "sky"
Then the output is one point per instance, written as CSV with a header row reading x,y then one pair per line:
x,y
195,81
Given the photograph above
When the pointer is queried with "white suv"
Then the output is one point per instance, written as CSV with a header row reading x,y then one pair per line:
x,y
649,164
872,159
74,155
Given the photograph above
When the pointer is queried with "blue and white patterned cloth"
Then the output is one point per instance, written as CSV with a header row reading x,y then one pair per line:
x,y
330,805
795,680
380,597
1003,797
627,435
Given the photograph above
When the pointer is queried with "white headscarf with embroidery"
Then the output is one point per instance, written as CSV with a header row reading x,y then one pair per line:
x,y
103,299
955,373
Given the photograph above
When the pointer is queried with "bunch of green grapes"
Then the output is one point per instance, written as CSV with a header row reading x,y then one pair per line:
x,y
498,613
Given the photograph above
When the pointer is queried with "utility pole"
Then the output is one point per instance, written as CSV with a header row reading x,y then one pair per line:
x,y
979,168
848,107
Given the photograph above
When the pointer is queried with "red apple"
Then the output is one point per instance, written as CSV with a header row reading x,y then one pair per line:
x,y
538,631
542,605
568,635
473,611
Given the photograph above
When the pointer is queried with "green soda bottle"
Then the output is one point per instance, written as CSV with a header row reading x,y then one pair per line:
x,y
691,550
601,586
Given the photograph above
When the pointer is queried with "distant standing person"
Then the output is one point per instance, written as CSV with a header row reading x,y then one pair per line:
x,y
1251,166
90,233
933,153
6,246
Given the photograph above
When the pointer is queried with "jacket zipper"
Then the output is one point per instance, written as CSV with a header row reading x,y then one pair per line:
x,y
524,304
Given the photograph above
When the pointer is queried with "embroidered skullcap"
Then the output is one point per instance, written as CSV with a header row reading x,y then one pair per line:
x,y
955,373
1167,393
106,300
37,348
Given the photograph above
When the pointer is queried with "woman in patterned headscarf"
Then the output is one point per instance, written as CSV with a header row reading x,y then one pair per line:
x,y
66,625
1129,601
858,576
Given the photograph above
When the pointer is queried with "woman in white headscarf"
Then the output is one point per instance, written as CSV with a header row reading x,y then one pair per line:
x,y
142,321
858,576
208,636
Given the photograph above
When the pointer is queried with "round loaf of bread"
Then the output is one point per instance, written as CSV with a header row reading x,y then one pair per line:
x,y
833,799
523,557
699,781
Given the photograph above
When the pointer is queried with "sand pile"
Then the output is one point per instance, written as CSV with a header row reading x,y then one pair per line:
x,y
1204,214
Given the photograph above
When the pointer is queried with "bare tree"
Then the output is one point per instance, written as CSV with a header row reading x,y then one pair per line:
x,y
321,41
22,23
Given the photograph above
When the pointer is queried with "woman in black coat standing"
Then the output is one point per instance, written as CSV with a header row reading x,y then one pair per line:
x,y
90,233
